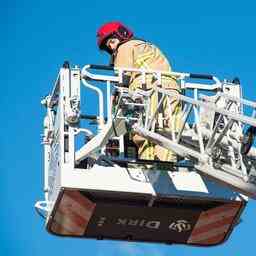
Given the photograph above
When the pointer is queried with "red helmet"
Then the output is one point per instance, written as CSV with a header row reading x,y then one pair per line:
x,y
109,29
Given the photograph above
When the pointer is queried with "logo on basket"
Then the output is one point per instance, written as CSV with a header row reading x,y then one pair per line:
x,y
180,226
101,221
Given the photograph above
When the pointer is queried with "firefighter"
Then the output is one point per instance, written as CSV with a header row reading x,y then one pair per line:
x,y
129,52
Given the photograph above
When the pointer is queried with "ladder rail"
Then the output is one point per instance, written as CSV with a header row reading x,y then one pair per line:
x,y
234,116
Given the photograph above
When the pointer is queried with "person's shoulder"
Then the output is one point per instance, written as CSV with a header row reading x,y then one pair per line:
x,y
131,43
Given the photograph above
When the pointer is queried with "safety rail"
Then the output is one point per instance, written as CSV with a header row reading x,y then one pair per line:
x,y
216,145
118,79
210,136
194,102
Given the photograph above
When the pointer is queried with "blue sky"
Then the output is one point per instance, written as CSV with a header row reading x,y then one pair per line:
x,y
37,36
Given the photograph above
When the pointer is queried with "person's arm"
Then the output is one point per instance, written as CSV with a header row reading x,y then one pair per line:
x,y
125,59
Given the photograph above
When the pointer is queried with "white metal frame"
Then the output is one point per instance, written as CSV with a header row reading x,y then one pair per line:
x,y
235,173
62,124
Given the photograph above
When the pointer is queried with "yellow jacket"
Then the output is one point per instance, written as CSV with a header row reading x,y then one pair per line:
x,y
141,54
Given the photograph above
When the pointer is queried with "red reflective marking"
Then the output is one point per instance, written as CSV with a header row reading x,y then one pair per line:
x,y
70,227
85,203
215,218
207,228
213,224
81,209
219,209
58,228
73,214
69,204
220,231
214,239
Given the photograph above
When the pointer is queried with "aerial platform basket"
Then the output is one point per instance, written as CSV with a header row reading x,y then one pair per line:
x,y
101,190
